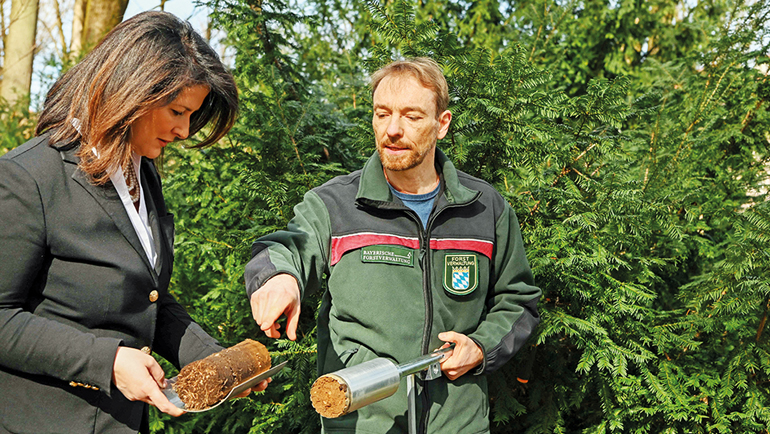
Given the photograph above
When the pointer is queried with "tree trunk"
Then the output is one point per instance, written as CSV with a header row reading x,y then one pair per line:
x,y
3,32
78,20
19,50
101,17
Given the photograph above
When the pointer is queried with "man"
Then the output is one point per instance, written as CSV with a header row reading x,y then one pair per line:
x,y
417,255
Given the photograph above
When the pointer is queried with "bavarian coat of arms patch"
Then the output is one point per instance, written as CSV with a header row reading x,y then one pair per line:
x,y
461,274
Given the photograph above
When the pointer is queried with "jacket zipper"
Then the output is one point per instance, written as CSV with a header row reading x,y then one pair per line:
x,y
425,262
426,291
424,250
422,426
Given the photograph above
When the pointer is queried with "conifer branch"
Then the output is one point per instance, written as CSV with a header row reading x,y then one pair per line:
x,y
291,134
762,322
203,237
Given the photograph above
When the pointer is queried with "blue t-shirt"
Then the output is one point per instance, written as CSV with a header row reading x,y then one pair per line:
x,y
422,204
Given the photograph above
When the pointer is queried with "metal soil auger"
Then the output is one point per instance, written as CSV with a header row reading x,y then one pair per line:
x,y
344,391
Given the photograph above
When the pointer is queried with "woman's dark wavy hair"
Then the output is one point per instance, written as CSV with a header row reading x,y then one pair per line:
x,y
142,64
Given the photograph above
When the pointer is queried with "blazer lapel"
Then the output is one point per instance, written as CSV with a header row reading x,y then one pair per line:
x,y
161,221
155,226
107,198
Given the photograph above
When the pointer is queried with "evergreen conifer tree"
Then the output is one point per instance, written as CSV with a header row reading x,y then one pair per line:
x,y
631,173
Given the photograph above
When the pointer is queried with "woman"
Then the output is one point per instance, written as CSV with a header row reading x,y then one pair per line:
x,y
86,242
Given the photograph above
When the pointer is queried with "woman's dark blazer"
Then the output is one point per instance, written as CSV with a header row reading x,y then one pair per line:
x,y
75,284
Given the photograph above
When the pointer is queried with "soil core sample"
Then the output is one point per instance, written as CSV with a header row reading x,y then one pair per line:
x,y
205,382
329,397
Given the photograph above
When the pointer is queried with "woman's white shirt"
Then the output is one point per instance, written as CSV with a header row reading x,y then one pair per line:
x,y
139,219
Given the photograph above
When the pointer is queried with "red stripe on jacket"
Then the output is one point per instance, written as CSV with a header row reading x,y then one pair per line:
x,y
478,246
346,243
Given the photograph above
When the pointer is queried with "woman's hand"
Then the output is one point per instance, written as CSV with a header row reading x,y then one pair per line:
x,y
139,377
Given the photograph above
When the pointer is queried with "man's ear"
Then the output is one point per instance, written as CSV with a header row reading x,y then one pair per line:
x,y
444,120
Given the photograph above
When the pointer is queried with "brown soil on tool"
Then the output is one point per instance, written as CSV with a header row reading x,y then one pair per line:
x,y
329,397
205,382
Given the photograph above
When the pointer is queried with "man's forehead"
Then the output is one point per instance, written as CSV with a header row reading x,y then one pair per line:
x,y
403,91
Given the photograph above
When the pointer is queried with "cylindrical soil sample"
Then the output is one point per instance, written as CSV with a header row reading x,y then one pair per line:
x,y
205,382
345,391
329,396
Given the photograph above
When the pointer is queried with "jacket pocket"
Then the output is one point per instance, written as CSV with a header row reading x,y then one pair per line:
x,y
347,355
350,357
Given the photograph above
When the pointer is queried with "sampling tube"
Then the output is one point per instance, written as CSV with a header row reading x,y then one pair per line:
x,y
349,389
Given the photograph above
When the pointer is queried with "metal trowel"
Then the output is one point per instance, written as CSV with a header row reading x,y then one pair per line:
x,y
251,382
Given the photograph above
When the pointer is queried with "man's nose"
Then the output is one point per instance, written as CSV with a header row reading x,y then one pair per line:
x,y
394,127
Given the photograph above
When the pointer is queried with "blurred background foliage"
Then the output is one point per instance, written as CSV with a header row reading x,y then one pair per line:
x,y
631,138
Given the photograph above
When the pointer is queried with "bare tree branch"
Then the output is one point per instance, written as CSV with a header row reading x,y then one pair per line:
x,y
3,30
60,27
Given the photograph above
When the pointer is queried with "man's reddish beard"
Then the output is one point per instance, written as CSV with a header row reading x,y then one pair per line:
x,y
409,160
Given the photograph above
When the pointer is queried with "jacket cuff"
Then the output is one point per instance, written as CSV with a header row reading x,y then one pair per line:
x,y
260,269
97,372
480,369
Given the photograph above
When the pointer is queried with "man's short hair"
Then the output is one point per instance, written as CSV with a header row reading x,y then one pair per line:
x,y
425,70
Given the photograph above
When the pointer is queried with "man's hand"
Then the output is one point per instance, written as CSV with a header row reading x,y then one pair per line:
x,y
139,377
278,296
465,356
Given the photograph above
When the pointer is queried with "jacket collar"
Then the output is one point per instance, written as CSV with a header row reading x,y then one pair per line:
x,y
107,197
69,153
373,187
